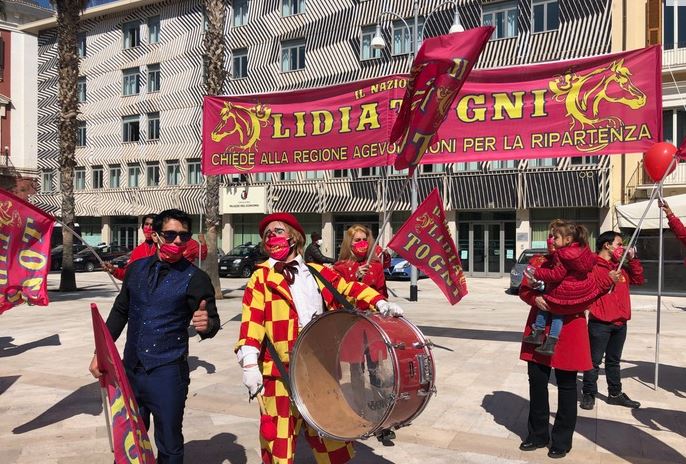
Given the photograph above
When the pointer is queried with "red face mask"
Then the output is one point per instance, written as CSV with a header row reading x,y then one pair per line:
x,y
171,252
617,253
551,244
147,231
360,248
278,247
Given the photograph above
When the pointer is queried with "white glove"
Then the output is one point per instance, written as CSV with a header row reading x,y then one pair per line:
x,y
389,309
252,378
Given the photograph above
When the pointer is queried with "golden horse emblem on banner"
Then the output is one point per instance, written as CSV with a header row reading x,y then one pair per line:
x,y
423,221
8,215
583,95
242,124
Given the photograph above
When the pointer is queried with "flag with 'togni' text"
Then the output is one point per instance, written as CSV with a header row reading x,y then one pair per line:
x,y
25,233
424,240
438,72
129,436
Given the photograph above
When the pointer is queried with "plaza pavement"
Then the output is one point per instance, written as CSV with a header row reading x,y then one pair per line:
x,y
50,410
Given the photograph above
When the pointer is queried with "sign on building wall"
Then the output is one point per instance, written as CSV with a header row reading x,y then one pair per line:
x,y
240,200
600,105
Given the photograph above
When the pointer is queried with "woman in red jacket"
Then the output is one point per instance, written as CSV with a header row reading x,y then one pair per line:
x,y
352,260
674,222
573,355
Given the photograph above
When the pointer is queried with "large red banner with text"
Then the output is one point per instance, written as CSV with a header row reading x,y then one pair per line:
x,y
25,233
129,436
600,105
424,240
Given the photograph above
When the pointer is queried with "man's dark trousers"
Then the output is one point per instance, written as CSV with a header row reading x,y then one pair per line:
x,y
608,339
162,391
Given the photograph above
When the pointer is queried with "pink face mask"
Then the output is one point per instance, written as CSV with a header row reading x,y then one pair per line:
x,y
147,231
360,248
278,247
617,253
551,244
171,252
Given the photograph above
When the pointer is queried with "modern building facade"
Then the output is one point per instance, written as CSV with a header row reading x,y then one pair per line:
x,y
18,89
141,91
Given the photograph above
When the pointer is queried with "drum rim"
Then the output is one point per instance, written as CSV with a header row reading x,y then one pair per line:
x,y
302,408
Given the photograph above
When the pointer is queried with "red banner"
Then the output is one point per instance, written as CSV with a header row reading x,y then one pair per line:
x,y
601,105
424,240
438,72
25,233
129,436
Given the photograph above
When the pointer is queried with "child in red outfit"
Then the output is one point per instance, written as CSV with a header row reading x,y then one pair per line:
x,y
569,284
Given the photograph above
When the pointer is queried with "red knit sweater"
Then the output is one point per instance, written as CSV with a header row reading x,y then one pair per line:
x,y
614,304
569,282
677,227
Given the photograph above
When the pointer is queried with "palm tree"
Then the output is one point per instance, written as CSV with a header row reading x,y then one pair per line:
x,y
68,12
215,11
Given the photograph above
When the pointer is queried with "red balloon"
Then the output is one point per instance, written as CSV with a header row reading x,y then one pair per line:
x,y
657,160
267,427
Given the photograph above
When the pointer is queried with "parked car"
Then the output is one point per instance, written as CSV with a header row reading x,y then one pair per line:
x,y
85,261
57,252
517,271
122,260
401,271
241,261
389,270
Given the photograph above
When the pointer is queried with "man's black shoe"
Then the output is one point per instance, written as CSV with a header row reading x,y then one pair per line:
x,y
623,400
530,446
587,402
557,453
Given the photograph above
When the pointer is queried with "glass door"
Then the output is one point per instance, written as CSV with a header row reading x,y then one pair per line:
x,y
126,236
494,250
479,249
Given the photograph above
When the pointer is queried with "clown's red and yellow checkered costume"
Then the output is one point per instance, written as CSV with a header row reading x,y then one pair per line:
x,y
268,307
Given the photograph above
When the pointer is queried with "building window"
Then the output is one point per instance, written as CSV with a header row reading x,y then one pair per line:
x,y
366,50
402,36
240,63
152,175
314,174
47,178
292,7
546,15
502,16
81,89
131,34
80,133
194,174
98,177
293,55
131,128
134,175
368,172
674,28
340,173
130,82
81,45
115,177
80,179
240,13
154,29
288,176
153,126
466,167
674,125
585,160
154,77
543,162
263,177
503,164
173,173
432,168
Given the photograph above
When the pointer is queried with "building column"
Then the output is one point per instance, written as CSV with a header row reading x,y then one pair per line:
x,y
227,233
328,247
523,231
106,230
387,234
605,220
141,235
451,218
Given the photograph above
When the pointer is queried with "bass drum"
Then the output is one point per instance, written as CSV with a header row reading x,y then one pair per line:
x,y
354,374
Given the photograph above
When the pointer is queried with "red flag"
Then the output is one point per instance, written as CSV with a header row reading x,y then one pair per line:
x,y
25,233
438,72
129,436
424,240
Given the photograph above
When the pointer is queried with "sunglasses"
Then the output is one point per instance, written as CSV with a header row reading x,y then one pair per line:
x,y
170,235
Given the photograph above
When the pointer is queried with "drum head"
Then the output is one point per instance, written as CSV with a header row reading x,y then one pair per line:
x,y
343,375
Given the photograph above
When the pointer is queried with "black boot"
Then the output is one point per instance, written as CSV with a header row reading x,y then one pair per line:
x,y
623,400
548,348
535,337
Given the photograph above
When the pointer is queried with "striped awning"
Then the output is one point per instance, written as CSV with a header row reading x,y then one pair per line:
x,y
484,191
563,189
295,198
352,196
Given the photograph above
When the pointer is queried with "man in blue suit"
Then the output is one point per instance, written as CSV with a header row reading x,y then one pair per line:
x,y
161,296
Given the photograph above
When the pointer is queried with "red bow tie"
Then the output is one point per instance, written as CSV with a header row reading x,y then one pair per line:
x,y
288,270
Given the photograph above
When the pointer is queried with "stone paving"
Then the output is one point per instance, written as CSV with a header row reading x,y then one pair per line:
x,y
50,410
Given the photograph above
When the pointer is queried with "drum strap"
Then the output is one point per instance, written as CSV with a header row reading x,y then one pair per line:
x,y
279,365
336,294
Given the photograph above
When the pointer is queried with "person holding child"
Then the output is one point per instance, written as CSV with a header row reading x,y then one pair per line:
x,y
572,355
568,284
